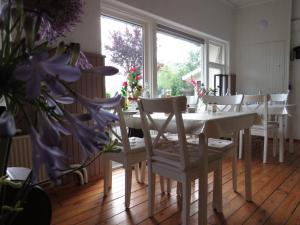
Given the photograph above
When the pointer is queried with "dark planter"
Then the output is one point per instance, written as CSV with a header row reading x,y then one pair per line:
x,y
36,208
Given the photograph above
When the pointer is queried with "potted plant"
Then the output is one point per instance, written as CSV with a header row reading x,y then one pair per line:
x,y
36,70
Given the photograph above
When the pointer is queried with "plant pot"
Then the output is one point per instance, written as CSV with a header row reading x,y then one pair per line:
x,y
37,209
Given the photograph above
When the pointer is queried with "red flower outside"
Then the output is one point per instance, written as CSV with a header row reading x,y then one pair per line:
x,y
125,84
133,69
138,77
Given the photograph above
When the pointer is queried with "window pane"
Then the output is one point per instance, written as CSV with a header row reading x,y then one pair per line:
x,y
216,54
122,44
178,61
212,72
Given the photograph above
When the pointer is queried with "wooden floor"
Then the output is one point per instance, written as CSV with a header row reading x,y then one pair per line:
x,y
276,199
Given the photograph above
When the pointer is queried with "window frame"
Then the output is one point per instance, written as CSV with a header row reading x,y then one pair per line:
x,y
149,23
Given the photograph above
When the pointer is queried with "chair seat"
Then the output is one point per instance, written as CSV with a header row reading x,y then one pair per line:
x,y
220,144
136,145
170,154
272,125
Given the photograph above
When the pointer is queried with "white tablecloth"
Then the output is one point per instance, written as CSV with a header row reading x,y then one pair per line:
x,y
272,109
212,124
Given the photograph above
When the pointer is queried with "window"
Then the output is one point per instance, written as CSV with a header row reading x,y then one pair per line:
x,y
172,54
179,61
216,64
123,45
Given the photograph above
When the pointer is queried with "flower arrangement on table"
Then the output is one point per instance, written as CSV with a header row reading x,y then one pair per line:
x,y
200,90
131,88
33,73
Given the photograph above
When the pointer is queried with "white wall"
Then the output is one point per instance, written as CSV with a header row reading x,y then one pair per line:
x,y
295,67
213,17
262,47
87,33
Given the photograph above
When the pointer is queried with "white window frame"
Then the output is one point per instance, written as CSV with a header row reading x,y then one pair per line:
x,y
149,21
222,66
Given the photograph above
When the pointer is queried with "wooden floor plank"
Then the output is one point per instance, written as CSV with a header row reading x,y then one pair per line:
x,y
276,198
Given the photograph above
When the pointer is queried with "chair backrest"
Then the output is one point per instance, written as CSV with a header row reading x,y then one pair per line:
x,y
172,107
192,101
224,103
119,128
279,98
258,104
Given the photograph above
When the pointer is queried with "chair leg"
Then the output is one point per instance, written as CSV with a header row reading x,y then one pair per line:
x,y
136,171
128,181
265,153
151,192
143,170
168,186
186,201
274,144
107,174
234,169
162,184
241,145
179,189
202,201
217,191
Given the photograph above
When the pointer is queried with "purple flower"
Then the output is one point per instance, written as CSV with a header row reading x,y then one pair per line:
x,y
53,158
48,132
82,62
59,16
95,108
89,138
105,70
7,124
39,68
56,87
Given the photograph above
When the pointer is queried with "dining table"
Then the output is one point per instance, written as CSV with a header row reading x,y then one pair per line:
x,y
212,124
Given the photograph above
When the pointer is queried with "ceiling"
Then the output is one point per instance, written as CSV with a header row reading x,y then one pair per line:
x,y
244,3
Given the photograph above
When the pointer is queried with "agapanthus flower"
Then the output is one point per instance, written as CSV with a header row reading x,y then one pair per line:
x,y
95,108
7,124
89,139
53,157
39,67
58,16
105,70
82,62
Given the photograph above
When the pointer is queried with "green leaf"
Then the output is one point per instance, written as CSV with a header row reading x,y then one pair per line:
x,y
75,51
29,31
61,48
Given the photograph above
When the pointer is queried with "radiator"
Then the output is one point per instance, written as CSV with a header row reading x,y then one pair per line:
x,y
21,153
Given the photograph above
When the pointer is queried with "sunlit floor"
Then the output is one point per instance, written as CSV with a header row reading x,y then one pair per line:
x,y
276,198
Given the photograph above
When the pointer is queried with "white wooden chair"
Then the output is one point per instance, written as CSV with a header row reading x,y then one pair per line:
x,y
259,104
177,160
192,103
132,152
226,147
279,99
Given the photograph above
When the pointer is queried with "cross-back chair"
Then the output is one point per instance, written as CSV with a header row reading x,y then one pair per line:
x,y
132,152
177,160
259,104
226,147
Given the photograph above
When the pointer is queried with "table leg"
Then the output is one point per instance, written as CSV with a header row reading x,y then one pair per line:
x,y
290,133
281,139
248,164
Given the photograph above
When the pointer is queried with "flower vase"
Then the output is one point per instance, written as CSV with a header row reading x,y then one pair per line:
x,y
132,103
